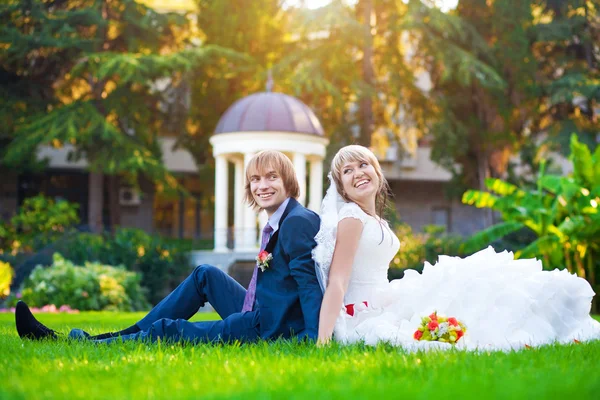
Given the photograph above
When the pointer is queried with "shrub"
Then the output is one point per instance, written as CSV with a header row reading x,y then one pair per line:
x,y
6,275
39,221
83,246
416,248
93,286
5,236
162,264
560,213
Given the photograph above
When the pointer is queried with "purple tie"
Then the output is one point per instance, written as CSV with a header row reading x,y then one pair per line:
x,y
251,292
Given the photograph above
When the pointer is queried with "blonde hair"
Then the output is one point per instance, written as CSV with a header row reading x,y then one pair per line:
x,y
356,153
266,160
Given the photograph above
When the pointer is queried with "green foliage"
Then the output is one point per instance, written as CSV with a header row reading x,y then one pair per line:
x,y
162,264
508,76
562,211
416,248
41,215
37,48
350,67
39,221
6,236
6,275
94,106
260,36
564,36
111,68
479,75
466,57
93,286
490,234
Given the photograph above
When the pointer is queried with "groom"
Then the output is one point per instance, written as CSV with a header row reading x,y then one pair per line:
x,y
282,300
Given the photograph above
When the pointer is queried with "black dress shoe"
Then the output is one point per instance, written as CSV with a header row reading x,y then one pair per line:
x,y
29,327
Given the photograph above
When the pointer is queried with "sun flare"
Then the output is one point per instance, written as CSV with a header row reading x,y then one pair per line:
x,y
444,5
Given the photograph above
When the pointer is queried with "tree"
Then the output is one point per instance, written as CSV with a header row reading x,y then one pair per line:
x,y
480,65
103,98
542,53
349,64
319,66
565,37
253,28
37,51
358,66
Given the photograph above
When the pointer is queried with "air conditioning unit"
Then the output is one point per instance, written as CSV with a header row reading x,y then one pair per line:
x,y
129,196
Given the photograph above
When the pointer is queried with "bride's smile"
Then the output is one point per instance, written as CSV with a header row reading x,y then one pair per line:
x,y
360,181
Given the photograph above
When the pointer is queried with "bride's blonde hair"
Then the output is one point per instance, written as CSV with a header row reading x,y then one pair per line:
x,y
356,153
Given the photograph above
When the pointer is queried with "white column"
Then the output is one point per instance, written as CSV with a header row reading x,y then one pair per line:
x,y
221,201
300,167
316,185
250,242
238,210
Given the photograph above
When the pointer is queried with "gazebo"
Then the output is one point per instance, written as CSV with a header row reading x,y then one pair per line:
x,y
263,121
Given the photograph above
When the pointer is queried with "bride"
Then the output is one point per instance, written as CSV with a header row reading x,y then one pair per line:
x,y
504,303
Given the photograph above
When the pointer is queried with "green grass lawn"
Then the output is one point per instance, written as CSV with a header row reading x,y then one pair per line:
x,y
73,370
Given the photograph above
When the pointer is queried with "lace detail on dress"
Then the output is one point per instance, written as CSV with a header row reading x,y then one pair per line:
x,y
325,238
352,210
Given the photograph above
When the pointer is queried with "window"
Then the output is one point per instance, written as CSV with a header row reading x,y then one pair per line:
x,y
182,217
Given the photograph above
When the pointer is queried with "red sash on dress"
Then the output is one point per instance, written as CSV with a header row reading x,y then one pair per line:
x,y
350,308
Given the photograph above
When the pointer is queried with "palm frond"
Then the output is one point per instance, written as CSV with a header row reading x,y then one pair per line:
x,y
488,235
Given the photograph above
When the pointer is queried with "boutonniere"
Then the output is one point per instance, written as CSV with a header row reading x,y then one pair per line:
x,y
262,260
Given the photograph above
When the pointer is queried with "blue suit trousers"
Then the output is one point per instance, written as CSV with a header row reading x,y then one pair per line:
x,y
168,320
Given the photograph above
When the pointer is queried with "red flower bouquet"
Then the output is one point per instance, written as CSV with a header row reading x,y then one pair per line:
x,y
441,329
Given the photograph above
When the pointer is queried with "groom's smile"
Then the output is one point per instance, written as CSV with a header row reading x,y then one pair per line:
x,y
268,190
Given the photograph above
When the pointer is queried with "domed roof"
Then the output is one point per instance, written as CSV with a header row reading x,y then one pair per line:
x,y
269,111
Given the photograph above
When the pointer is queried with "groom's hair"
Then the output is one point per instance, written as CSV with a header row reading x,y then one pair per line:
x,y
272,160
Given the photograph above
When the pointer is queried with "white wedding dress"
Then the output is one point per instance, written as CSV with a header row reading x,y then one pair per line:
x,y
504,303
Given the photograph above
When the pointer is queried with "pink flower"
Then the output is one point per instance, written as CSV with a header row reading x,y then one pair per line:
x,y
418,335
432,325
262,256
262,260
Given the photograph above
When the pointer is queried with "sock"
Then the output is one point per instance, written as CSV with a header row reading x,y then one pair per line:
x,y
126,331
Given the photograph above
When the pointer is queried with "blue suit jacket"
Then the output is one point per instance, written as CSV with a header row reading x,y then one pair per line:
x,y
288,292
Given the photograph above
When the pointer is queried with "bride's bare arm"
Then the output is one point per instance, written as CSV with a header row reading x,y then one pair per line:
x,y
347,238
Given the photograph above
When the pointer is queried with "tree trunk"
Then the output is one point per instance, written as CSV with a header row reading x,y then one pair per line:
x,y
579,264
366,100
592,279
482,174
96,201
113,194
568,262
